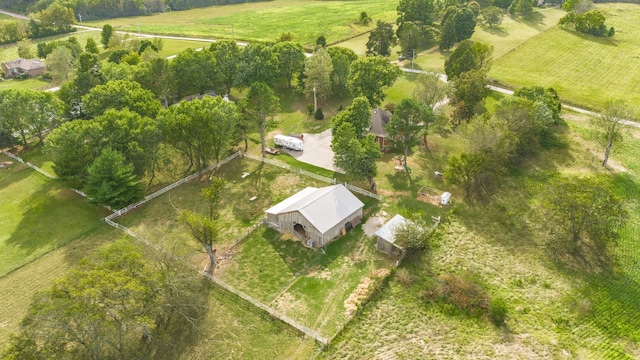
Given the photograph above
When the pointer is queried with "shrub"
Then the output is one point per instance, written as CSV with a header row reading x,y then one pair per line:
x,y
465,295
321,41
404,277
390,107
310,109
498,311
319,115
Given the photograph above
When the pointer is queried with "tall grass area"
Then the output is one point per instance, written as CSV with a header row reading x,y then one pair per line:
x,y
555,310
585,70
38,215
263,21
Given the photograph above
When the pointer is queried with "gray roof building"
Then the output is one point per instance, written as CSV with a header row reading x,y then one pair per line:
x,y
387,235
379,120
317,215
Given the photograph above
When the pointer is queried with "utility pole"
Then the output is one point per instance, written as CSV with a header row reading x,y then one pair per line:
x,y
413,55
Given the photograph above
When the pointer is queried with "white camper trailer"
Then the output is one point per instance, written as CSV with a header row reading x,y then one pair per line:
x,y
289,142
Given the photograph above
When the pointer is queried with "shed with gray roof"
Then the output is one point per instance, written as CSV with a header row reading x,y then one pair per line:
x,y
317,216
387,235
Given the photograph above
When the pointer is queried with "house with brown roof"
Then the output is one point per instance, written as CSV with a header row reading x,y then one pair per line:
x,y
30,67
379,120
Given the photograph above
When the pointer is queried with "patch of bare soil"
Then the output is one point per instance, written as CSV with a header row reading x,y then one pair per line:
x,y
288,304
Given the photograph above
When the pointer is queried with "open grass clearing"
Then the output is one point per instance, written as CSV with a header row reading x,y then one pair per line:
x,y
262,21
20,285
511,34
585,70
38,215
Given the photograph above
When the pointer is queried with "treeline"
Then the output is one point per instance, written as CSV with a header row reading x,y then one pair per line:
x,y
53,20
105,9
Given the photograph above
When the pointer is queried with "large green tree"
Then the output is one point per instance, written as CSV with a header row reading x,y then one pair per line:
x,y
193,72
201,129
355,155
583,215
72,149
59,63
418,11
155,75
370,76
341,59
257,64
469,89
468,56
261,105
358,114
111,181
29,112
471,171
290,59
105,35
227,54
317,75
547,96
56,19
119,95
407,124
430,90
381,39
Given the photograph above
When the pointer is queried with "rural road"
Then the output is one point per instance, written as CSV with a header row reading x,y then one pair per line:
x,y
442,77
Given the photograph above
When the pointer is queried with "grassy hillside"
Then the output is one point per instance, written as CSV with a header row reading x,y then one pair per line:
x,y
584,69
264,21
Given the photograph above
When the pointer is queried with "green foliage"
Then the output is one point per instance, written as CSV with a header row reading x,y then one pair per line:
x,y
468,56
472,172
112,182
317,75
492,15
498,311
583,216
193,72
356,156
430,89
469,90
55,19
24,49
260,106
120,95
465,23
381,40
319,115
257,64
106,34
523,8
590,22
290,59
420,11
549,97
407,124
321,41
447,34
364,19
91,46
44,111
527,121
341,59
414,237
59,64
370,76
358,114
609,124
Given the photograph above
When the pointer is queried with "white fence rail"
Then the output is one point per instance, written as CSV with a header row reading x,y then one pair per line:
x,y
19,159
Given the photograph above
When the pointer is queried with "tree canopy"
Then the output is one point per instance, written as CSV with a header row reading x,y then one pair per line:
x,y
370,76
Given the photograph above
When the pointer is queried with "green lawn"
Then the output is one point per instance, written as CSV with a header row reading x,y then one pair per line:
x,y
31,83
584,70
21,285
263,21
38,215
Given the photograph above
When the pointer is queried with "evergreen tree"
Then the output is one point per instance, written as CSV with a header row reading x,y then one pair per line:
x,y
112,182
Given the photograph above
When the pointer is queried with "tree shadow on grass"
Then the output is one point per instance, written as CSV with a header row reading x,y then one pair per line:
x,y
495,30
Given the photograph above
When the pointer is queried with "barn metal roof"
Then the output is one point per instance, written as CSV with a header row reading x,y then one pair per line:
x,y
323,207
388,230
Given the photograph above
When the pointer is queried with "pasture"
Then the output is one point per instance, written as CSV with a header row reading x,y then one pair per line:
x,y
585,70
554,310
38,215
263,21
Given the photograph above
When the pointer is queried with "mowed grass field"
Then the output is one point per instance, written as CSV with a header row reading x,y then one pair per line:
x,y
585,70
264,21
38,215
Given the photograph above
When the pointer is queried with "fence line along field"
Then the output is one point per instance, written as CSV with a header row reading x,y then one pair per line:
x,y
263,21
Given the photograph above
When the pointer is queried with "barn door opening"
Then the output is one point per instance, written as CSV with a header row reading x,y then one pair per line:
x,y
300,231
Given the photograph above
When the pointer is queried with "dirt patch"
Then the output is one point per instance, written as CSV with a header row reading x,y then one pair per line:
x,y
5,164
288,304
374,223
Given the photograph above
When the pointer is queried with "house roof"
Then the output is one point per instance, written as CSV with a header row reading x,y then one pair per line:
x,y
388,230
379,120
322,207
24,64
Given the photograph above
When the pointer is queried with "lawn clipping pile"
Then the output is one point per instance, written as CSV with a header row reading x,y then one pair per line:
x,y
320,289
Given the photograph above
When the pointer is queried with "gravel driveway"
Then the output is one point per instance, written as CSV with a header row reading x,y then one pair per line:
x,y
317,151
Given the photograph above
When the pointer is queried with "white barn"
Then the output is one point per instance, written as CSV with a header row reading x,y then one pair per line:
x,y
317,216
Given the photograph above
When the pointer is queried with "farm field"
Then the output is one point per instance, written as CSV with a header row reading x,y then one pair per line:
x,y
584,70
262,21
33,221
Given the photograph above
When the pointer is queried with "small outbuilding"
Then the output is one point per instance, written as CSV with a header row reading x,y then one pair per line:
x,y
317,216
19,67
386,242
